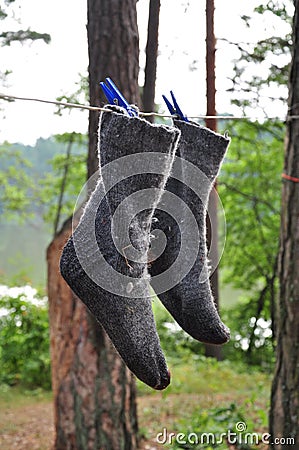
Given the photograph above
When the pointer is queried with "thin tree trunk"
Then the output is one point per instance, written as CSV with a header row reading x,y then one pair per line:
x,y
284,413
210,65
212,350
151,58
63,183
94,392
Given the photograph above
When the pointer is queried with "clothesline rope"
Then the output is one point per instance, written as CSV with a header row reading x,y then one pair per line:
x,y
143,114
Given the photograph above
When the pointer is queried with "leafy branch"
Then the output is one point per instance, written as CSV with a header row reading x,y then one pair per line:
x,y
8,37
253,198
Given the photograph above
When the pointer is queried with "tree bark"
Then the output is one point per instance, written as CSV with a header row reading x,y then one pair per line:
x,y
151,58
284,413
94,392
113,47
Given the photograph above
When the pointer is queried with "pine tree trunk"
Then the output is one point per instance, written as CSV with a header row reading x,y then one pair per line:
x,y
113,47
284,414
94,392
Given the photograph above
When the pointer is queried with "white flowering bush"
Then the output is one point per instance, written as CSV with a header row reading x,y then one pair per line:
x,y
24,338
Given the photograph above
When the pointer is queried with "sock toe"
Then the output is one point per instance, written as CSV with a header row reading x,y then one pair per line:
x,y
220,335
164,381
216,334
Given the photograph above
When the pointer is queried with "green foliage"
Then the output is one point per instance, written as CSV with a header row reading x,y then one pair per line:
x,y
16,185
269,57
61,186
278,8
51,185
250,184
22,253
77,97
39,156
193,373
217,427
213,405
19,397
7,37
205,396
38,191
24,339
251,336
21,36
177,344
31,183
3,9
250,189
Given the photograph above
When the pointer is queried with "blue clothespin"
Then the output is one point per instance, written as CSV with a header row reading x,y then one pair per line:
x,y
115,97
174,110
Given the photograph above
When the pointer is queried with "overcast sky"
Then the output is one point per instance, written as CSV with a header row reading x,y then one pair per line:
x,y
47,71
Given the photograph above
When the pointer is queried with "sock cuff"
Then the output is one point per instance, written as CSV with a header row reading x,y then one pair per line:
x,y
137,149
202,146
129,135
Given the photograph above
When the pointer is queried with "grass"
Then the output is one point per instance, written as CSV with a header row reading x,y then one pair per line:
x,y
18,397
204,395
26,419
207,376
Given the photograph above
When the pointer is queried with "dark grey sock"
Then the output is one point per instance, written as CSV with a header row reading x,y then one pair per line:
x,y
190,301
105,260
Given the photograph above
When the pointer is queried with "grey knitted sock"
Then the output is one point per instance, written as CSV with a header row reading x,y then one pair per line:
x,y
105,260
190,301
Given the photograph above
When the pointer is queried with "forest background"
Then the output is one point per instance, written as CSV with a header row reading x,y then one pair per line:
x,y
37,195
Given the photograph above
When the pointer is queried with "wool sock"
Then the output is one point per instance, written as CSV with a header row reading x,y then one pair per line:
x,y
105,260
190,301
